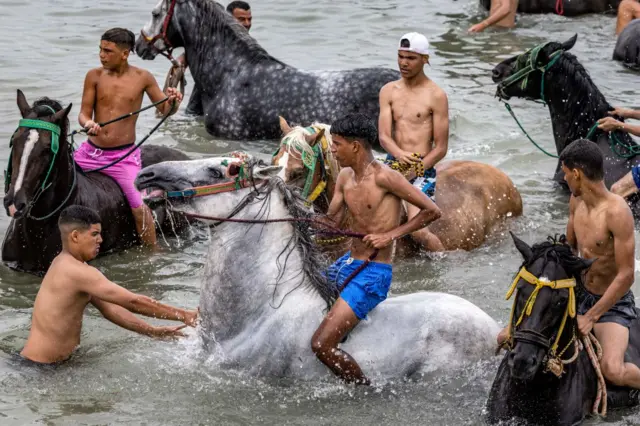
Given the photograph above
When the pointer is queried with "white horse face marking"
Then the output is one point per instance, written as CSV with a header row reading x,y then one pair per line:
x,y
32,139
154,26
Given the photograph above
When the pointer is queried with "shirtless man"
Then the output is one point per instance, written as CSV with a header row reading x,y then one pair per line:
x,y
115,89
628,10
502,14
70,285
373,193
630,183
414,118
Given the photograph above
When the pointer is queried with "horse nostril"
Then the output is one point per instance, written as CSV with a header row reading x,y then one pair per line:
x,y
496,74
148,175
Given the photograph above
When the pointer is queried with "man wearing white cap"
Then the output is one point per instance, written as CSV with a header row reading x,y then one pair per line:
x,y
414,124
502,14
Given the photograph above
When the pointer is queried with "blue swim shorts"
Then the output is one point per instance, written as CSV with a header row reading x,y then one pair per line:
x,y
426,183
367,289
635,173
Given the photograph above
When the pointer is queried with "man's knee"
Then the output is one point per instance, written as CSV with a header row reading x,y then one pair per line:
x,y
613,371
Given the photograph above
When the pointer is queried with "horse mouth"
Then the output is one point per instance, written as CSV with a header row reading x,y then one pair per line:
x,y
153,194
144,50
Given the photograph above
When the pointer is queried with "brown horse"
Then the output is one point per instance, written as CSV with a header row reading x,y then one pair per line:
x,y
473,197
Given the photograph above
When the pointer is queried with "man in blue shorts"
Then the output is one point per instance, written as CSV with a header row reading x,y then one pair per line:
x,y
414,125
373,193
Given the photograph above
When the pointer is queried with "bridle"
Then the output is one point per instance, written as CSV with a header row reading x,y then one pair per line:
x,y
163,35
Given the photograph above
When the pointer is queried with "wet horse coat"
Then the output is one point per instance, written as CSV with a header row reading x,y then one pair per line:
x,y
563,7
264,294
242,88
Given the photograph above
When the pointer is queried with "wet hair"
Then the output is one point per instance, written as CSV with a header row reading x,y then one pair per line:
x,y
584,155
356,126
238,4
122,37
77,217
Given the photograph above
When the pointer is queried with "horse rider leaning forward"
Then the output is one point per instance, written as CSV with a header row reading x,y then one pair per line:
x,y
501,14
115,89
601,227
630,183
414,125
373,193
70,285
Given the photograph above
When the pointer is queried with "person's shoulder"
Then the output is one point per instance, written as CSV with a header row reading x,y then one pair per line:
x,y
94,73
386,176
140,73
436,91
345,173
389,87
618,209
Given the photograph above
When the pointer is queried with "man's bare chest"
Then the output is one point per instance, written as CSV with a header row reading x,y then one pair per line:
x,y
412,108
363,200
592,233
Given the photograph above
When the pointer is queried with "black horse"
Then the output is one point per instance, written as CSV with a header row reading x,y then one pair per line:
x,y
556,77
46,183
523,388
563,7
241,89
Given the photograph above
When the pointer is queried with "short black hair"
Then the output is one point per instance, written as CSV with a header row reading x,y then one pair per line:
x,y
356,126
77,217
584,155
122,37
238,4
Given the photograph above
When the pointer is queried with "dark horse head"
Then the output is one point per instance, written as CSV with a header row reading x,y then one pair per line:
x,y
35,145
543,314
549,73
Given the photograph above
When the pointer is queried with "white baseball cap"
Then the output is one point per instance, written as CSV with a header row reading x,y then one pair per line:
x,y
414,42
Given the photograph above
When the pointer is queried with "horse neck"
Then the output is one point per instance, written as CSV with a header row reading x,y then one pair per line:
x,y
214,49
575,103
254,268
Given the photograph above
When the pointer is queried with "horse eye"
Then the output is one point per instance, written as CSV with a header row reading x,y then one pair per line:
x,y
215,173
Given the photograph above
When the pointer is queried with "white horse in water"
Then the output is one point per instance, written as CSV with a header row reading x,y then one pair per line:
x,y
264,293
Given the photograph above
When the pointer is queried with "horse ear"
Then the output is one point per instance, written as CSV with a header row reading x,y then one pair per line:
x,y
265,172
62,114
23,105
284,126
522,247
567,45
313,139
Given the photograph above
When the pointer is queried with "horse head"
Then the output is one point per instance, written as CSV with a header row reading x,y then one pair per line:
x,y
38,140
542,326
189,185
306,160
161,33
522,75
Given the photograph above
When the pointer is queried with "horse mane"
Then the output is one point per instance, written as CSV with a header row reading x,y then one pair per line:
x,y
559,250
212,17
295,140
40,108
313,262
585,102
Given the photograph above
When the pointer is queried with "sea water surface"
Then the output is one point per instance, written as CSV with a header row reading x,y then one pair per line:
x,y
117,377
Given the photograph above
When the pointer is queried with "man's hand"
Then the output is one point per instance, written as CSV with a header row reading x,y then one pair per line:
x,y
172,331
407,157
377,241
92,128
174,95
585,324
622,112
477,28
191,319
609,124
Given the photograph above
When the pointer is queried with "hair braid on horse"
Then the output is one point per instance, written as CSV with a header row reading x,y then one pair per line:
x,y
558,249
40,108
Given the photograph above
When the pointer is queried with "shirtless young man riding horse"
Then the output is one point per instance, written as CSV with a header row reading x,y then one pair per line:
x,y
601,227
373,193
414,119
115,89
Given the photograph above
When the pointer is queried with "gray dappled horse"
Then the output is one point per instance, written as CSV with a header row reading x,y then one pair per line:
x,y
42,179
544,340
242,89
264,293
627,48
551,74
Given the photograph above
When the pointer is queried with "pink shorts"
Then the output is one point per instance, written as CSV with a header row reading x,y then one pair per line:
x,y
88,156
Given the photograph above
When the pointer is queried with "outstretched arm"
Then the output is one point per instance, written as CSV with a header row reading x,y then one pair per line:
x,y
125,319
92,282
155,94
395,183
440,130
